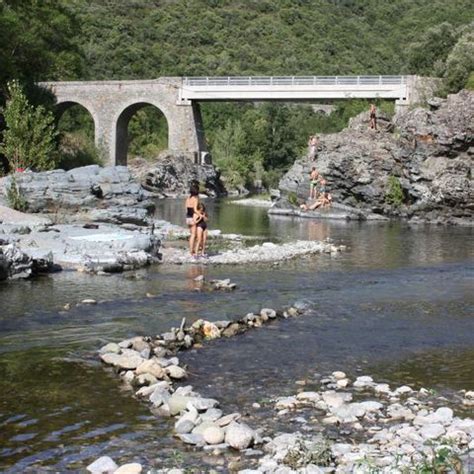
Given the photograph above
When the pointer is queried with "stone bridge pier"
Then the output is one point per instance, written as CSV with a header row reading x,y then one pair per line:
x,y
113,103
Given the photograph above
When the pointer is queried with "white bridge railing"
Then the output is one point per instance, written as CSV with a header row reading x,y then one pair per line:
x,y
249,81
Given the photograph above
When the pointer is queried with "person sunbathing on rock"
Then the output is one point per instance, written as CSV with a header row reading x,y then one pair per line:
x,y
324,198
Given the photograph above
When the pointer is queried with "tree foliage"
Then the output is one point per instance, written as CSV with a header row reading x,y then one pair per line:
x,y
29,137
140,39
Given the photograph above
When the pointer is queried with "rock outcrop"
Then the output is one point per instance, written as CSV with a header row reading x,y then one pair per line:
x,y
85,188
417,166
171,175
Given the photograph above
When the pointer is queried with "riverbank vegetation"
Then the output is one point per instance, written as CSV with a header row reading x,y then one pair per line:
x,y
92,40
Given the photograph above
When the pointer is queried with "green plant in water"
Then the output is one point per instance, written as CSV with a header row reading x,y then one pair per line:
x,y
394,194
15,197
177,458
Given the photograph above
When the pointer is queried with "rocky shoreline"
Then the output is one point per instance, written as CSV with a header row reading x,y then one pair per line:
x,y
346,425
417,166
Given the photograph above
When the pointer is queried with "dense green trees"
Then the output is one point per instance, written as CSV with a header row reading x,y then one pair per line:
x,y
138,39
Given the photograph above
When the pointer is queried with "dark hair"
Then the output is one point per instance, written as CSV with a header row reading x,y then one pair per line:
x,y
194,190
201,207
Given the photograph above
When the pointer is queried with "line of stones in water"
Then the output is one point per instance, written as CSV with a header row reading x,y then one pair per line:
x,y
401,430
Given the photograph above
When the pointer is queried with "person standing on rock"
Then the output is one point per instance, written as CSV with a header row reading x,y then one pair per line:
x,y
312,147
373,117
192,202
313,183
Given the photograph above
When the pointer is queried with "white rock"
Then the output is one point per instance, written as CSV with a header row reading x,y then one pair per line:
x,y
308,396
335,399
227,419
184,425
371,406
123,361
363,381
338,449
128,376
159,396
212,414
103,465
203,404
342,383
176,372
403,390
239,436
152,367
382,388
110,347
89,301
178,403
146,379
285,402
188,438
269,313
432,431
213,435
130,468
338,375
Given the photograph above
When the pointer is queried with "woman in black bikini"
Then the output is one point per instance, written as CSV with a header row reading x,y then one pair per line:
x,y
200,221
192,202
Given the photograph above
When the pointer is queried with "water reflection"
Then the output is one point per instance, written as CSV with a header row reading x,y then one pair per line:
x,y
397,304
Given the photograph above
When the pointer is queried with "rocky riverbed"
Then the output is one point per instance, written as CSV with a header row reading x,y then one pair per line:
x,y
345,425
417,166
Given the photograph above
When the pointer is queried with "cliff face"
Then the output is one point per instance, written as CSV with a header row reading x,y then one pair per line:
x,y
418,166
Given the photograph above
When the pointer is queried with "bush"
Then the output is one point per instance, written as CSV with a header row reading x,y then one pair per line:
x,y
470,82
29,140
293,199
15,198
394,195
77,150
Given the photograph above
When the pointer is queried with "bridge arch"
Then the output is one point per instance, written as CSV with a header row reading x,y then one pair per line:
x,y
122,120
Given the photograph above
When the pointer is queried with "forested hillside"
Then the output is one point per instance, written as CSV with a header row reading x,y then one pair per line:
x,y
138,39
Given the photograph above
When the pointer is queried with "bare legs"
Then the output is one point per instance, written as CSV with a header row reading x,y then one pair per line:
x,y
192,238
201,239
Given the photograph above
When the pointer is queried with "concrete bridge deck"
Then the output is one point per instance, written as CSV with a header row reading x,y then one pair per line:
x,y
293,88
113,103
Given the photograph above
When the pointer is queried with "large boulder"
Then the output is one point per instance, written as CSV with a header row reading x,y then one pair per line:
x,y
424,156
171,175
88,187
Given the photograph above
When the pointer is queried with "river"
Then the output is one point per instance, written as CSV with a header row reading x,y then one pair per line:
x,y
397,305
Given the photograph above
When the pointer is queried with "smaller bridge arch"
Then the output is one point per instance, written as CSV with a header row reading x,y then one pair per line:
x,y
122,121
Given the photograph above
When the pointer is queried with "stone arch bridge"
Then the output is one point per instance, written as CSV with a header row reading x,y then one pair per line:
x,y
113,103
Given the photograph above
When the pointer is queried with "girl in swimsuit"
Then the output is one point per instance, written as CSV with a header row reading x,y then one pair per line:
x,y
200,221
192,201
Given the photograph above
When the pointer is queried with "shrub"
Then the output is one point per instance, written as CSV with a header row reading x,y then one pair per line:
x,y
29,140
15,198
77,150
460,63
293,199
394,194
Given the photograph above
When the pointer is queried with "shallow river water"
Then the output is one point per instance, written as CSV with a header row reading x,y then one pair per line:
x,y
397,305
